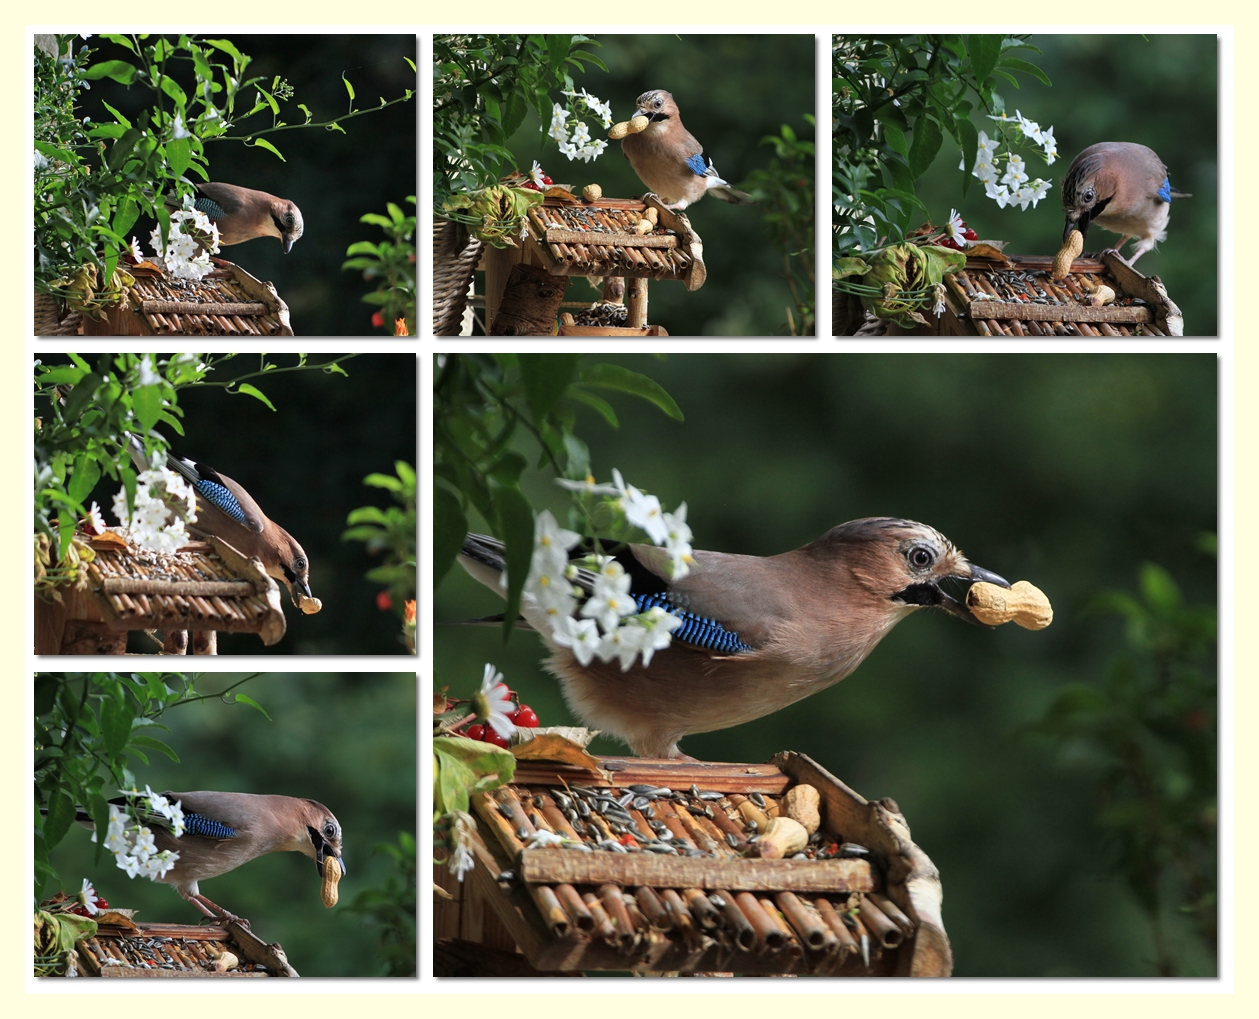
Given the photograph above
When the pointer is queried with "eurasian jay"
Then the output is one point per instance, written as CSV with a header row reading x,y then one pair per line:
x,y
242,214
669,160
224,830
227,511
1122,187
758,633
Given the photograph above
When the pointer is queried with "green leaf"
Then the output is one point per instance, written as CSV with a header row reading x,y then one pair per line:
x,y
985,50
241,698
596,403
147,401
1014,64
60,816
116,719
226,46
450,527
348,87
257,394
86,473
1159,589
119,70
612,376
515,526
154,744
927,140
262,143
466,767
545,377
179,155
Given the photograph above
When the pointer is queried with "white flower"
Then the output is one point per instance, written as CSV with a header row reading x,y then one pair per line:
x,y
610,599
956,227
543,839
552,541
988,146
145,844
622,643
568,149
581,636
94,519
587,487
657,628
581,135
641,510
1015,171
461,861
161,863
535,174
938,308
1030,128
593,151
1050,145
41,161
130,864
677,541
134,248
87,896
557,129
492,703
998,193
178,130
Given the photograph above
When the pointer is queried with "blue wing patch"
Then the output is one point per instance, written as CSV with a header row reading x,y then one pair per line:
x,y
698,164
219,496
210,207
1165,190
195,824
695,629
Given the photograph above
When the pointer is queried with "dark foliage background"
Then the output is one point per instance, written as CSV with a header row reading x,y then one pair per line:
x,y
345,739
732,90
1069,471
334,178
1158,90
304,463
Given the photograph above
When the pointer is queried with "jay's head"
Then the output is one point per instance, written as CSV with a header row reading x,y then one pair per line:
x,y
325,835
1085,192
287,219
903,563
294,567
657,106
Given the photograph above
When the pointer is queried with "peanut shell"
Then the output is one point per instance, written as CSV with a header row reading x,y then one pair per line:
x,y
781,838
1067,254
331,875
801,804
592,192
1022,603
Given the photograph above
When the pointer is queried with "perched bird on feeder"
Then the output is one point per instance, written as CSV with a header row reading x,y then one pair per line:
x,y
241,214
222,831
225,510
1123,187
669,160
758,633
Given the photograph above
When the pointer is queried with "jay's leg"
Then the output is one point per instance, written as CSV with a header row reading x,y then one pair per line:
x,y
216,912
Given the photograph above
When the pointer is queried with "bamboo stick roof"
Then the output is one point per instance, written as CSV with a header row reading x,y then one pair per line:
x,y
660,873
203,586
123,948
1016,296
226,302
579,238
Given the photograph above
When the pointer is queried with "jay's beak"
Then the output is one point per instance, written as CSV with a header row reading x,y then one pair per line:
x,y
323,850
929,593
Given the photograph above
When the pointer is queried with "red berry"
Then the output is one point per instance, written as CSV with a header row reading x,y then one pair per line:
x,y
383,601
492,736
530,185
970,234
475,731
547,180
102,904
526,717
378,320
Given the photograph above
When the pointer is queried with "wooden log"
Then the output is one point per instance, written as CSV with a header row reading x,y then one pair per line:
x,y
636,302
573,904
205,588
882,929
555,235
769,937
614,906
530,303
743,934
1005,310
811,929
653,909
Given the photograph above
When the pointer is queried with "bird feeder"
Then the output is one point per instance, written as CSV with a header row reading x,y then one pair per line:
x,y
701,886
201,589
621,243
1017,295
124,948
226,302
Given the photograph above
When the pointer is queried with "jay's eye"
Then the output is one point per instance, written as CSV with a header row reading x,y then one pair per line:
x,y
1088,194
299,564
921,558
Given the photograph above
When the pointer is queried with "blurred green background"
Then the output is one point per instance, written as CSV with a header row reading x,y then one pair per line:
x,y
1159,90
732,90
345,739
1068,471
305,463
333,177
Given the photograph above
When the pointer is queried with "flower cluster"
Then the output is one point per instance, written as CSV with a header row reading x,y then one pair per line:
x,y
164,503
132,843
190,241
1014,186
578,143
461,858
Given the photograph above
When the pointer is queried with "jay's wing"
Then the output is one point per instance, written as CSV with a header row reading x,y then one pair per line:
x,y
219,491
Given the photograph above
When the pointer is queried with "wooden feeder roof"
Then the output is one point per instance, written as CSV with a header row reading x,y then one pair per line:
x,y
655,878
226,302
1016,297
204,586
123,948
572,237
